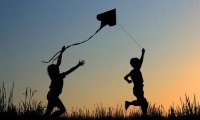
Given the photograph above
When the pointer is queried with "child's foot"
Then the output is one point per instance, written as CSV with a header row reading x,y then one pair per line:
x,y
126,105
144,107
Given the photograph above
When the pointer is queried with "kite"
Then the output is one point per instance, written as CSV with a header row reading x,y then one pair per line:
x,y
106,18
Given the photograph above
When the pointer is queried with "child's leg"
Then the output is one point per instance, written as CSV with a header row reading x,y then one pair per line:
x,y
141,100
137,92
134,102
127,104
50,107
61,107
144,106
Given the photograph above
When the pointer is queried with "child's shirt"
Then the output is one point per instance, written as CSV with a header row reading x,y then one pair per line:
x,y
136,77
56,85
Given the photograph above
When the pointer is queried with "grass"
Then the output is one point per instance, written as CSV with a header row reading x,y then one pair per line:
x,y
30,109
27,109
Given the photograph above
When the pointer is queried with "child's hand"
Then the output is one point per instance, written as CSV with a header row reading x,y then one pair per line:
x,y
143,51
63,49
81,63
129,81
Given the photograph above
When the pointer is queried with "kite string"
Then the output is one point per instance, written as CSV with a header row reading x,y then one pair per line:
x,y
80,42
54,57
129,35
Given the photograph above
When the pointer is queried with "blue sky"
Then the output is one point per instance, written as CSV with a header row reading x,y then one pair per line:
x,y
32,31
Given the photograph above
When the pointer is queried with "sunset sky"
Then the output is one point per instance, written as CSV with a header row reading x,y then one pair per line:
x,y
32,31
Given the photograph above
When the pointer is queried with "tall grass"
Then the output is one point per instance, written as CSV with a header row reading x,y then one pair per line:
x,y
30,109
27,109
99,112
189,109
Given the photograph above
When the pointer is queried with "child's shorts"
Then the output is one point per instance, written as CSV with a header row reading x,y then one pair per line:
x,y
138,91
52,96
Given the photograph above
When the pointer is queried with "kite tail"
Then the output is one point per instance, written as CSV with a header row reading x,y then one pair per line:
x,y
54,57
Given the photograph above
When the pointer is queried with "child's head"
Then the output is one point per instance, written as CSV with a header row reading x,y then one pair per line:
x,y
135,62
53,70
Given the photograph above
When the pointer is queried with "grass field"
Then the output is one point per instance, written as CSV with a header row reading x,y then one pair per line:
x,y
30,109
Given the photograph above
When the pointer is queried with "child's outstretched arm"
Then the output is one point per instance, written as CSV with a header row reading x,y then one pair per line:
x,y
126,78
80,63
142,57
60,56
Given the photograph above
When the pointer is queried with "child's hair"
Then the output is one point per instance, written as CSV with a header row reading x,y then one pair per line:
x,y
53,71
135,62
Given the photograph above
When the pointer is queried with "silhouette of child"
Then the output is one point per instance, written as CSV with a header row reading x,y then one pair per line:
x,y
57,85
137,79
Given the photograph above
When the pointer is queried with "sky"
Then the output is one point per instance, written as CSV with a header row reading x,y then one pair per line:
x,y
32,31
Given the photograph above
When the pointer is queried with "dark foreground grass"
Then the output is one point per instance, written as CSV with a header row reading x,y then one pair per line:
x,y
29,109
